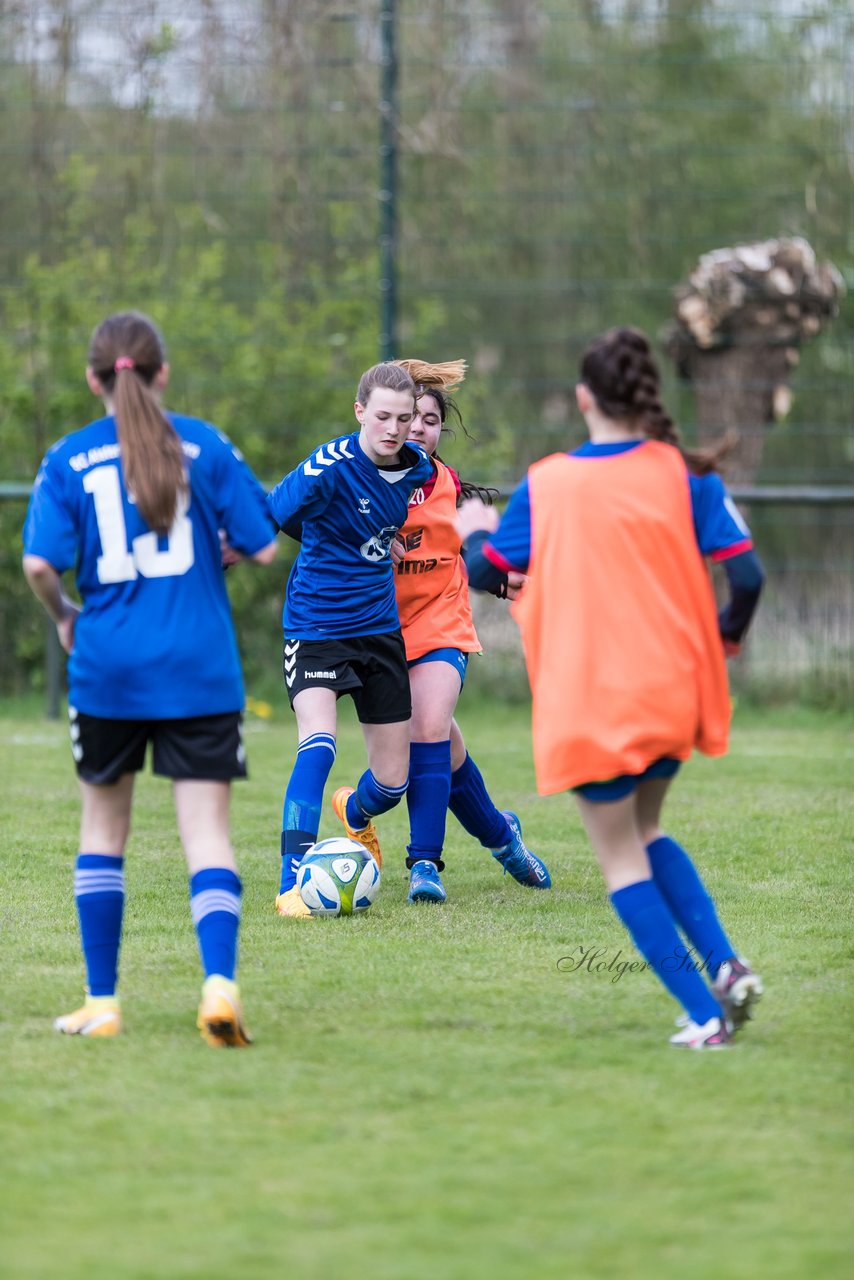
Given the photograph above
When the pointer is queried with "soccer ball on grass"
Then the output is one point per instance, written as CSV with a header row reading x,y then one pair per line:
x,y
338,877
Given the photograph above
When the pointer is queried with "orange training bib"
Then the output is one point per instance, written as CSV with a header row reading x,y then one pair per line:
x,y
431,581
618,620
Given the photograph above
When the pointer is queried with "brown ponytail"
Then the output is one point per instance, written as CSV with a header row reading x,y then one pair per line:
x,y
619,369
126,354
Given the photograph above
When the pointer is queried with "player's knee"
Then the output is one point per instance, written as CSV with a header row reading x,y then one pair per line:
x,y
427,727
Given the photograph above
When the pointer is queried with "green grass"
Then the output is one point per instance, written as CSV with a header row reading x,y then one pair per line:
x,y
429,1095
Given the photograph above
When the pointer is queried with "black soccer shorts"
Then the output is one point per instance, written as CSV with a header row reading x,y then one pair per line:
x,y
372,669
198,748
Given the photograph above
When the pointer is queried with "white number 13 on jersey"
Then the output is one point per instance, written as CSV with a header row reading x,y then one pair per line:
x,y
116,563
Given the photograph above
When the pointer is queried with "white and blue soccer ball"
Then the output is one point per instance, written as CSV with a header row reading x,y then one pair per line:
x,y
338,877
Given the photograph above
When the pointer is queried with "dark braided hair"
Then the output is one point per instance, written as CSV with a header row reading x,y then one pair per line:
x,y
447,406
620,370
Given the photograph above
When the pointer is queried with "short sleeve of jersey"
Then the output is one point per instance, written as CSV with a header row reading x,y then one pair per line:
x,y
304,494
50,530
422,468
720,528
241,502
509,548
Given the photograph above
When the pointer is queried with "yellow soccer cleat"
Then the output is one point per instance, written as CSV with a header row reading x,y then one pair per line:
x,y
291,904
100,1016
367,836
220,1017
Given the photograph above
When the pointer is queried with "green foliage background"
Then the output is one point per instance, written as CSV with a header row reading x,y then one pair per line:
x,y
560,170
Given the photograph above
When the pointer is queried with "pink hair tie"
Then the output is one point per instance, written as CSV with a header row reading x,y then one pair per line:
x,y
124,362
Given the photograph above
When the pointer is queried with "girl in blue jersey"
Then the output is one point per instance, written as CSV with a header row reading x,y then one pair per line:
x,y
346,502
622,649
135,503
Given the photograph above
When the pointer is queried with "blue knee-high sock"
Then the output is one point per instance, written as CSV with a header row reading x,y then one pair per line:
x,y
427,799
689,902
471,805
644,912
215,905
303,801
99,891
370,798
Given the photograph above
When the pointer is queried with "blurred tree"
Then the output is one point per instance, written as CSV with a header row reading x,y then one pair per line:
x,y
561,167
740,321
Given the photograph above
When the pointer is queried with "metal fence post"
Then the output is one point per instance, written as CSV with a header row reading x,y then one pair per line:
x,y
388,181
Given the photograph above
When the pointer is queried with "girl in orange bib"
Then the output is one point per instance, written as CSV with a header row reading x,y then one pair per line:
x,y
625,654
431,585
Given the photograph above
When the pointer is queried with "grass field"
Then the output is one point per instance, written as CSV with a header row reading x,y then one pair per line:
x,y
430,1095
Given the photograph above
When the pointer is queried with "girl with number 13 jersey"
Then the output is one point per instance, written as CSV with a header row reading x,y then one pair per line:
x,y
136,503
155,638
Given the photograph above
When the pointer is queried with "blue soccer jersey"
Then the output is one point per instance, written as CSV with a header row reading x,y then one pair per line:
x,y
347,511
155,639
719,528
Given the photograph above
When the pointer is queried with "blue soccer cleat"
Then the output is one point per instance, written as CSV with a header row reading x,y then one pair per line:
x,y
425,883
518,859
